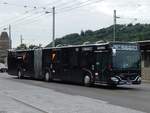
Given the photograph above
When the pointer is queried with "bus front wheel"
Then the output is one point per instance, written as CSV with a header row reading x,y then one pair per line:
x,y
87,80
48,76
113,86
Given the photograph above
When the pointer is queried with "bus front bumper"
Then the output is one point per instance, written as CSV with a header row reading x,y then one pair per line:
x,y
119,81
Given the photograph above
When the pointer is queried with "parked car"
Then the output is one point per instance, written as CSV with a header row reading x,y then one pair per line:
x,y
3,68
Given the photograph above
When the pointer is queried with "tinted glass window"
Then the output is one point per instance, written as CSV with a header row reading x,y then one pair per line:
x,y
126,59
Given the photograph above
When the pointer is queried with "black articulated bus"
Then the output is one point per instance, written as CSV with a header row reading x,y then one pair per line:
x,y
105,63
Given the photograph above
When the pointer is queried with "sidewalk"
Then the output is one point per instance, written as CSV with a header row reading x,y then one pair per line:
x,y
9,105
22,98
146,81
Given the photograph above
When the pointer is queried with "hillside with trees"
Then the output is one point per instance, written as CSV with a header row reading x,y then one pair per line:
x,y
128,32
24,46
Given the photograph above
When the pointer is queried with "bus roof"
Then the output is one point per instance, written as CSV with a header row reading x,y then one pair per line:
x,y
73,46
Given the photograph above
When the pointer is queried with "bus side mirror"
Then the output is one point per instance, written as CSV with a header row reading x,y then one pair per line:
x,y
114,52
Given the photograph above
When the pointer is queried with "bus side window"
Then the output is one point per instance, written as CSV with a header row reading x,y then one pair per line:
x,y
73,58
65,57
83,59
56,59
90,58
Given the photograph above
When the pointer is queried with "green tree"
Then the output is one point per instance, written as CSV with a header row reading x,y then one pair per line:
x,y
128,32
82,33
22,46
34,46
89,33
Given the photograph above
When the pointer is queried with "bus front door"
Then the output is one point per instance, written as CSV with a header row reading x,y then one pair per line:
x,y
102,64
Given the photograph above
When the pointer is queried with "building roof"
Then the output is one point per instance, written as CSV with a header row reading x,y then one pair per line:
x,y
144,45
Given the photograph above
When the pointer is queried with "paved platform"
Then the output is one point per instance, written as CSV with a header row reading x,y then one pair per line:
x,y
18,97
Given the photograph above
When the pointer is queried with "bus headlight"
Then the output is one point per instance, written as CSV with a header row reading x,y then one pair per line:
x,y
139,79
114,79
96,74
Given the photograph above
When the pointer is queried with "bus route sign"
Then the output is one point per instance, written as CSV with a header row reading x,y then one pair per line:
x,y
125,47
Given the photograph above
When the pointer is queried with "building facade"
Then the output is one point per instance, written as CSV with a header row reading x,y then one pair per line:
x,y
145,52
5,44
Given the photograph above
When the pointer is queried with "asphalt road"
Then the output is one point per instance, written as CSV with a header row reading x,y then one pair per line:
x,y
135,97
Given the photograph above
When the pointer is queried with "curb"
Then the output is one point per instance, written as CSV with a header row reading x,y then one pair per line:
x,y
146,81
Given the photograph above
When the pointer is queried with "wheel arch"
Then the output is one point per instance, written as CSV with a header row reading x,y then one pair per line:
x,y
89,72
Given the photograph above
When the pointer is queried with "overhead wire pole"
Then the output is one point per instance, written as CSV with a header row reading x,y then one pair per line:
x,y
53,44
10,41
114,29
21,40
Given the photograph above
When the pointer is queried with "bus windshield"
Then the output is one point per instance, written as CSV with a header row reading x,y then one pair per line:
x,y
124,59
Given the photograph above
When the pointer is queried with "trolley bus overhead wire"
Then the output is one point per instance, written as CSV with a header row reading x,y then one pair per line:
x,y
80,5
68,7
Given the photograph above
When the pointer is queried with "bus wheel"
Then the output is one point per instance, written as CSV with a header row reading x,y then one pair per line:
x,y
48,76
112,86
87,80
19,74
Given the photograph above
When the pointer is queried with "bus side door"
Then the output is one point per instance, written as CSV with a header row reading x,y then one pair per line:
x,y
65,66
102,59
76,72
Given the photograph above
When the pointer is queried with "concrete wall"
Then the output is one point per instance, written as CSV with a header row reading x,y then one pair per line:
x,y
146,65
146,73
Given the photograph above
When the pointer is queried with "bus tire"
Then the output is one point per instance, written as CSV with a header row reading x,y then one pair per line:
x,y
113,86
19,74
48,76
87,81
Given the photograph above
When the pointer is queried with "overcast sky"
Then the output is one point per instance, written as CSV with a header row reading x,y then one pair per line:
x,y
27,17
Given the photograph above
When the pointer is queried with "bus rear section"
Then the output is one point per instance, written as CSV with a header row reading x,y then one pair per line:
x,y
25,63
12,62
20,63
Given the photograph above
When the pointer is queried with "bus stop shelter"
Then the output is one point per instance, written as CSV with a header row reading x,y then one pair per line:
x,y
145,52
